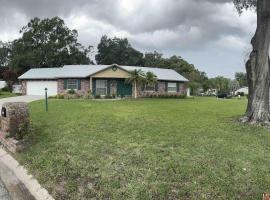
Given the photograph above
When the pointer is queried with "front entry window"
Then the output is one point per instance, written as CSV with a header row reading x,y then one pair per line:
x,y
101,87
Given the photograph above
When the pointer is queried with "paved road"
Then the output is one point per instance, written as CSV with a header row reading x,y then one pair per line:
x,y
3,192
26,99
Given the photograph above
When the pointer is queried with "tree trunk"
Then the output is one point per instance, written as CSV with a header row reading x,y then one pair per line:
x,y
257,67
135,89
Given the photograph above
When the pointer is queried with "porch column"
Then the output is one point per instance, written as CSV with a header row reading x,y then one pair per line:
x,y
90,82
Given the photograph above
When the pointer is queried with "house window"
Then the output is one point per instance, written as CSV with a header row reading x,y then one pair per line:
x,y
101,87
172,87
72,84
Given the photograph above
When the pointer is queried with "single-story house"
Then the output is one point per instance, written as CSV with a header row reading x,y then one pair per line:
x,y
98,79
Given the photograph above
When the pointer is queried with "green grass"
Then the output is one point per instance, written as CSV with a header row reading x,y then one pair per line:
x,y
147,149
7,94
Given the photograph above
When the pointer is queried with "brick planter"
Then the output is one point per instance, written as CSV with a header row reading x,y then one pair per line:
x,y
14,123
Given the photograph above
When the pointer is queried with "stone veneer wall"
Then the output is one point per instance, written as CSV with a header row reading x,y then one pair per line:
x,y
162,89
85,87
23,87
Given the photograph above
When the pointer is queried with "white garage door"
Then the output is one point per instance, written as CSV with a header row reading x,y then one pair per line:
x,y
38,87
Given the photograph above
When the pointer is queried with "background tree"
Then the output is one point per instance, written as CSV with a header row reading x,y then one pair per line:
x,y
47,43
221,84
150,79
4,54
258,72
241,77
233,86
197,78
118,51
10,76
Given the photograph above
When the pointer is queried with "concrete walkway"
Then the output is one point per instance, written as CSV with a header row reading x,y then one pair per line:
x,y
3,192
27,99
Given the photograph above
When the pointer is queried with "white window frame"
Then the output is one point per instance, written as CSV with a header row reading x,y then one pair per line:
x,y
72,84
104,87
172,85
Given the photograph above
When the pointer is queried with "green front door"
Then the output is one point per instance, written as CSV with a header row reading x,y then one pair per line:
x,y
123,89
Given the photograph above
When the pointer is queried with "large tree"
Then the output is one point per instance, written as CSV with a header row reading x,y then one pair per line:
x,y
118,51
47,43
258,72
4,53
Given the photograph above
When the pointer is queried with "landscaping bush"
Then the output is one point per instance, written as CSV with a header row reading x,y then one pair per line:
x,y
97,96
70,96
71,91
88,96
5,89
222,95
60,96
53,97
108,97
166,96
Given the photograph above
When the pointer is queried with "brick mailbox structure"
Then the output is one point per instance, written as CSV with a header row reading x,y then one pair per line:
x,y
14,118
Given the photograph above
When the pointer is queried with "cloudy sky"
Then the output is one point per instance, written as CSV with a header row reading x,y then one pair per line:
x,y
208,33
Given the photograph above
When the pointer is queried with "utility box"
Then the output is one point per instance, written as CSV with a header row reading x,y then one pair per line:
x,y
14,115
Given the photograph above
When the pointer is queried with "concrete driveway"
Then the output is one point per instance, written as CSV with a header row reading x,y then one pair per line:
x,y
27,99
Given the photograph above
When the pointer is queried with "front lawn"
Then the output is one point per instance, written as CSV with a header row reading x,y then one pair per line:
x,y
147,149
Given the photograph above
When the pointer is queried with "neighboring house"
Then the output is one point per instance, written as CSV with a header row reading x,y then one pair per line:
x,y
242,90
17,89
98,79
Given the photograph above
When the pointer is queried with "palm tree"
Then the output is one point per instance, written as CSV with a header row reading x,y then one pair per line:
x,y
137,77
150,79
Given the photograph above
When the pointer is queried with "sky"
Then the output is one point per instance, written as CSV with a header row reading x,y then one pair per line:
x,y
207,33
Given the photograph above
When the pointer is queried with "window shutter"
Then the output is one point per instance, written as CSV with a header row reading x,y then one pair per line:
x,y
79,84
166,86
65,84
178,87
156,87
94,86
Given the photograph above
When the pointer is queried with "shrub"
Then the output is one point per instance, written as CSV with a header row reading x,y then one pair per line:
x,y
60,96
222,95
108,97
88,95
166,96
53,97
71,91
97,96
78,96
69,96
5,89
